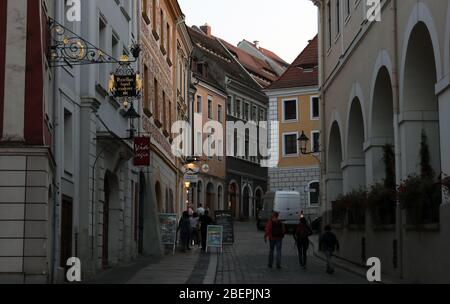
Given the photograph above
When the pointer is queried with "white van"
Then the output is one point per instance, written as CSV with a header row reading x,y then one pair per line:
x,y
287,203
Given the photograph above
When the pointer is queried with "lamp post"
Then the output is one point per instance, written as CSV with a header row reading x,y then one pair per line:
x,y
131,114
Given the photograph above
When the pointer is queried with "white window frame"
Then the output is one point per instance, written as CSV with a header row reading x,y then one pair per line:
x,y
312,140
283,110
283,136
309,193
312,108
241,109
247,116
210,110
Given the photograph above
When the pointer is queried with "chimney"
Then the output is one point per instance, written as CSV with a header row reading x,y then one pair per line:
x,y
256,43
206,29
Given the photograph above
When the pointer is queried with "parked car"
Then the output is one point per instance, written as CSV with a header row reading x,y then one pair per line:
x,y
287,203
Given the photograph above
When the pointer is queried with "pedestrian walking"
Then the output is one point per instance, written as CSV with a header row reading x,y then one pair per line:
x,y
200,210
194,228
205,221
275,231
329,244
301,236
184,227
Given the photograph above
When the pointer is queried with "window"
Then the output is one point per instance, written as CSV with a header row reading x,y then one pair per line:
x,y
68,142
254,113
210,107
156,99
154,15
161,28
219,113
329,23
315,141
262,115
102,44
338,17
290,110
247,144
199,104
146,95
168,40
348,7
314,191
246,111
290,144
164,114
315,108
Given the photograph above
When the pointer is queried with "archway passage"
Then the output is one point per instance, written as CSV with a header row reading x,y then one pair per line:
x,y
334,179
232,197
112,220
382,128
258,202
210,197
419,105
220,198
199,194
354,169
246,203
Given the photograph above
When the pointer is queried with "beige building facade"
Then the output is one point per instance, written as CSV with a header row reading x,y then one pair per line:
x,y
386,82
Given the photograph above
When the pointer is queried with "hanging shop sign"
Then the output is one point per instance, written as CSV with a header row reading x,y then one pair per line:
x,y
125,86
142,151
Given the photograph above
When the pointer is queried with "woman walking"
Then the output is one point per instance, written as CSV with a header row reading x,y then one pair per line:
x,y
301,237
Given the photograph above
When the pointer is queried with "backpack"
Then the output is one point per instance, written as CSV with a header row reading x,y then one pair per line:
x,y
277,229
302,232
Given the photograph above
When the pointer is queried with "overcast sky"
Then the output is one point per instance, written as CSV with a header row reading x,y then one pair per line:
x,y
282,26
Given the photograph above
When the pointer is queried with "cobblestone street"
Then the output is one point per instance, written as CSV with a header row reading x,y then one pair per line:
x,y
246,263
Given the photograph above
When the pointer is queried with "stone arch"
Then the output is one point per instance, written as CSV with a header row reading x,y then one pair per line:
x,y
220,197
334,176
381,124
247,196
112,218
354,169
356,94
210,197
419,103
233,197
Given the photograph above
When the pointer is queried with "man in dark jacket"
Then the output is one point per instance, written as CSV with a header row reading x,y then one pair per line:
x,y
185,231
329,244
205,221
275,231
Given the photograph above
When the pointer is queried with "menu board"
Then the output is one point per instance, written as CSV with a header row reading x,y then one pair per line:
x,y
214,236
225,219
168,227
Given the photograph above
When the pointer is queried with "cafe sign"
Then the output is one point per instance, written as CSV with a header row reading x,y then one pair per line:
x,y
142,151
125,86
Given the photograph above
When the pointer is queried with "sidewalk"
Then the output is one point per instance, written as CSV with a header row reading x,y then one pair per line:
x,y
351,267
192,267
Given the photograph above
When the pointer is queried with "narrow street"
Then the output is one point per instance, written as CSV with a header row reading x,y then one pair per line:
x,y
243,263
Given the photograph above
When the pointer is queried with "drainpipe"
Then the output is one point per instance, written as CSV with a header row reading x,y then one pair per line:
x,y
58,159
398,169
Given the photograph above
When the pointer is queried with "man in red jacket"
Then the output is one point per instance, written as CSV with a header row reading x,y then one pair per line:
x,y
275,231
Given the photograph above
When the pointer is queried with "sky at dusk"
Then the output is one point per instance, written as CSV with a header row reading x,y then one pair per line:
x,y
284,28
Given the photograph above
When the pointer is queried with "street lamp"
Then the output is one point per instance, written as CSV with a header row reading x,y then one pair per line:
x,y
131,114
303,139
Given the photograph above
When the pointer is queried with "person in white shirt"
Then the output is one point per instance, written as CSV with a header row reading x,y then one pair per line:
x,y
200,210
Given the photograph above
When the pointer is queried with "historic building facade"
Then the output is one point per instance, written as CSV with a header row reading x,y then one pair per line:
x,y
246,180
294,106
166,50
385,82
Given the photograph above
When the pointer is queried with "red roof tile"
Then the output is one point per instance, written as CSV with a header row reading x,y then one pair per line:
x,y
303,72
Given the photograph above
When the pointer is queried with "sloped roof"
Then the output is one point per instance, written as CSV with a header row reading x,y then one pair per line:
x,y
303,72
270,54
261,70
212,48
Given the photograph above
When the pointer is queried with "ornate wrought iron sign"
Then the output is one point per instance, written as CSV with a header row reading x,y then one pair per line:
x,y
68,49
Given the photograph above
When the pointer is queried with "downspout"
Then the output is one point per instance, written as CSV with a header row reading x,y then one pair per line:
x,y
58,157
396,95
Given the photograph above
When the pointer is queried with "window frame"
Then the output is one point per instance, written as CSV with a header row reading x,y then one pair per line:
x,y
283,110
309,194
284,135
312,141
312,117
